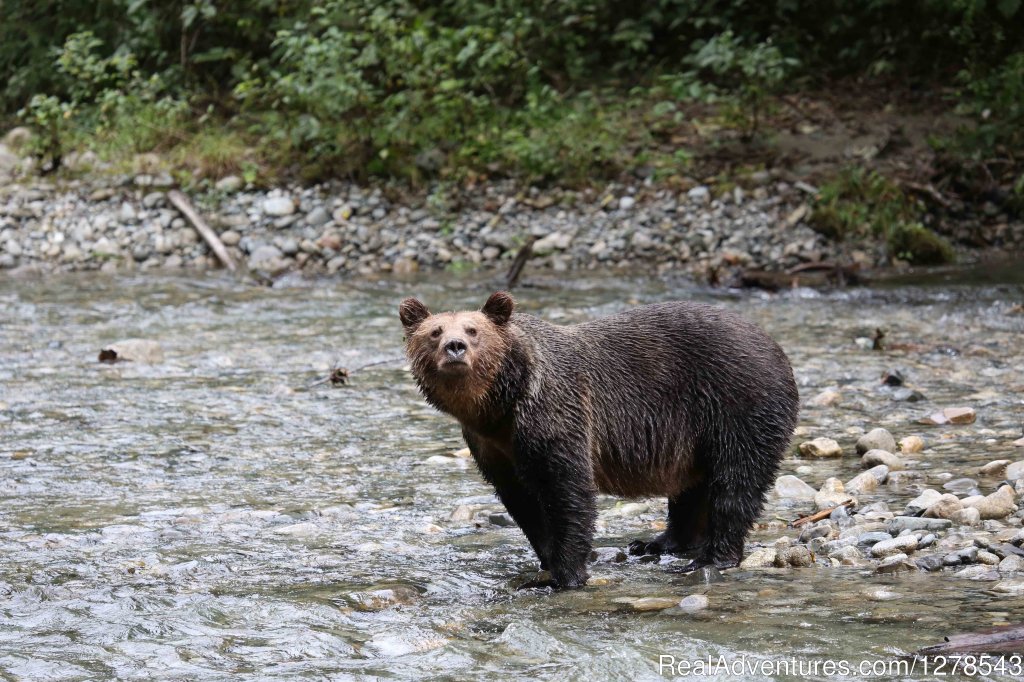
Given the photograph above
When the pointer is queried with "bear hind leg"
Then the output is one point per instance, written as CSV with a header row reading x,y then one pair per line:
x,y
732,511
687,523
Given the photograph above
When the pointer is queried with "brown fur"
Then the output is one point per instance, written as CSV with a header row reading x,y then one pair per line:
x,y
676,399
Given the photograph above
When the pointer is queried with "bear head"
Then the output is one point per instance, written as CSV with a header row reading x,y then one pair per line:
x,y
456,357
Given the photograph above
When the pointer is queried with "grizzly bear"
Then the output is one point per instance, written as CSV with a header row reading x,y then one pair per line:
x,y
679,399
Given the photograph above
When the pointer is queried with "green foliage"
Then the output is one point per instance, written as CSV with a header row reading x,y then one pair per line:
x,y
860,204
748,75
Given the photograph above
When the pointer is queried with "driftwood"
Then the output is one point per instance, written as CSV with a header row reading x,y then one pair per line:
x,y
520,261
818,516
181,202
1003,639
807,275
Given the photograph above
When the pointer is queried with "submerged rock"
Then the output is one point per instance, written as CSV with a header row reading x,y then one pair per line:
x,y
792,488
876,439
145,351
763,557
873,458
820,447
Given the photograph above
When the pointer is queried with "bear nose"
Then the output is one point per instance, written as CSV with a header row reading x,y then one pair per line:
x,y
455,348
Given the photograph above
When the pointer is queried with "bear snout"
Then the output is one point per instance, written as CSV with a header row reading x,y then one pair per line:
x,y
455,349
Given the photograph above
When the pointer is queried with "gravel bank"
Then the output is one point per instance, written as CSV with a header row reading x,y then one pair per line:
x,y
345,228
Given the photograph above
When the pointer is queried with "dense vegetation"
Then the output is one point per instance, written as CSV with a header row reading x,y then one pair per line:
x,y
542,90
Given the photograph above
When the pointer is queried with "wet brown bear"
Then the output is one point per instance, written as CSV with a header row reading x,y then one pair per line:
x,y
678,399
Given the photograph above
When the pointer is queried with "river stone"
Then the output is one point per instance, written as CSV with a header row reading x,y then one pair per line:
x,y
1015,471
556,241
797,557
998,505
950,415
1012,564
963,486
911,445
820,447
847,556
876,439
988,558
607,555
693,603
905,544
977,572
967,517
919,504
278,206
792,488
868,480
873,458
944,508
902,523
826,398
229,183
763,557
146,351
1012,587
832,493
649,603
872,538
501,519
966,555
995,468
932,562
266,257
895,563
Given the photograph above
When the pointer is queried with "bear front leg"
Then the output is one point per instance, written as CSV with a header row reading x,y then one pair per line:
x,y
525,509
560,477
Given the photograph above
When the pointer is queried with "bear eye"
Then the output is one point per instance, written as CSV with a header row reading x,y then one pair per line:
x,y
436,333
471,331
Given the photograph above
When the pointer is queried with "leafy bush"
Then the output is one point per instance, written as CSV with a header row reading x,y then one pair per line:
x,y
860,204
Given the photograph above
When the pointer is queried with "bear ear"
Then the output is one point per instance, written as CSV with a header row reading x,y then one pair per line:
x,y
498,307
412,312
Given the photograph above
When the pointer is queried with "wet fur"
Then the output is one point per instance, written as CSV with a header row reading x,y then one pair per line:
x,y
678,399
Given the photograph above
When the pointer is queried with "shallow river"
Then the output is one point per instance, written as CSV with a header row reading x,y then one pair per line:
x,y
220,515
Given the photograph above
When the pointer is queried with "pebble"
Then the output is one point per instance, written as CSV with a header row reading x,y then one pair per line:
x,y
1012,587
868,480
873,458
1015,471
693,603
902,523
820,447
998,505
876,439
945,507
649,603
792,488
502,519
996,468
278,206
919,504
951,415
146,351
895,563
967,517
905,544
932,562
763,557
911,445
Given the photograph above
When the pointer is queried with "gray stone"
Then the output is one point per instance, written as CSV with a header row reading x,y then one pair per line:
x,y
278,206
607,555
904,544
266,257
968,516
763,557
792,488
503,519
901,523
693,603
1015,471
896,563
699,195
1011,564
967,555
820,447
318,216
876,439
873,538
146,351
868,480
230,184
919,504
874,458
944,508
932,562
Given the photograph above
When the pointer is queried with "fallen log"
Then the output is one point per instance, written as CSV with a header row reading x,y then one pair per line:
x,y
181,202
520,261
